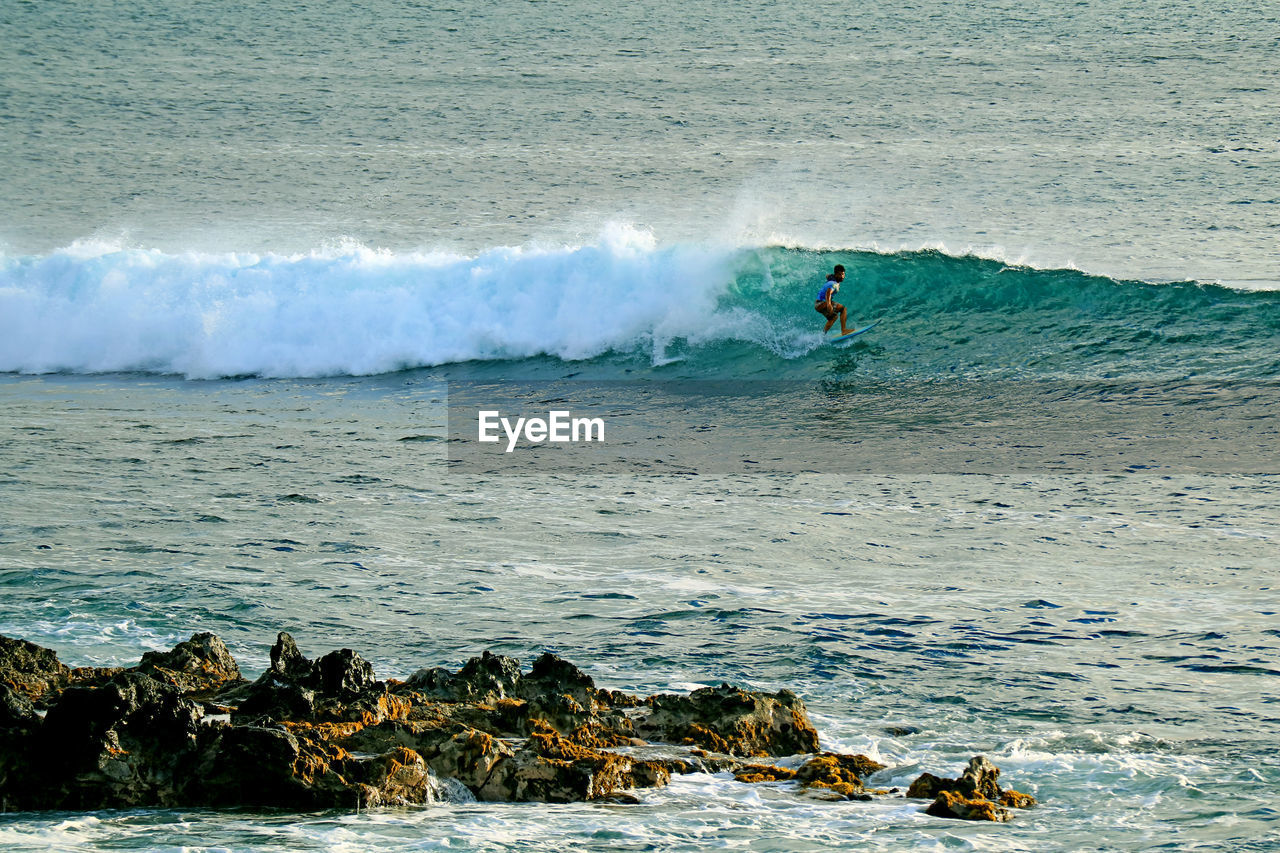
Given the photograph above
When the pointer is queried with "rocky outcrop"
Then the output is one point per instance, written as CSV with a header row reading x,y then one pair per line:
x,y
974,795
185,729
30,670
827,775
726,719
200,666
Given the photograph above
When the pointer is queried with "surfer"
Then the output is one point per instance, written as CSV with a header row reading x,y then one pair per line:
x,y
828,307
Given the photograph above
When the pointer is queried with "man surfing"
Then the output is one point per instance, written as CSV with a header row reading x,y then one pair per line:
x,y
828,307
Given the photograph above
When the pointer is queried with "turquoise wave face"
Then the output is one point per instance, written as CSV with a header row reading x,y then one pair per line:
x,y
943,316
616,309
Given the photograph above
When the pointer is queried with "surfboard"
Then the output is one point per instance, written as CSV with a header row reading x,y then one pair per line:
x,y
855,332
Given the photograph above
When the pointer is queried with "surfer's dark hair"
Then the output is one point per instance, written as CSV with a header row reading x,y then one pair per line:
x,y
839,268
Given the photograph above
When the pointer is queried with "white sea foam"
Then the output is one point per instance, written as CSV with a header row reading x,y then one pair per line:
x,y
98,307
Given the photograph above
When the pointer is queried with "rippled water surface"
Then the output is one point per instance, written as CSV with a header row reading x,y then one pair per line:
x,y
256,261
1107,637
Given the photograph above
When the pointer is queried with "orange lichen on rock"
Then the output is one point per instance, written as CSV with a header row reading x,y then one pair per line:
x,y
699,735
974,795
597,736
314,759
549,743
954,805
841,773
324,731
754,773
1016,799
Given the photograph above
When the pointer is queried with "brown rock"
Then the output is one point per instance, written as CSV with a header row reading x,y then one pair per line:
x,y
965,796
31,670
200,666
737,722
1016,799
955,805
841,773
754,773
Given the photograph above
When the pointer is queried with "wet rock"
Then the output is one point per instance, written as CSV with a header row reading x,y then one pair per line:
x,y
326,734
18,719
16,710
1016,799
550,768
273,698
485,679
928,786
434,683
295,688
399,777
737,722
342,673
201,666
842,774
979,779
756,773
287,662
31,670
828,775
965,796
130,742
553,676
955,805
254,766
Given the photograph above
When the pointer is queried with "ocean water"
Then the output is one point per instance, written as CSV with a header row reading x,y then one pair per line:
x,y
260,267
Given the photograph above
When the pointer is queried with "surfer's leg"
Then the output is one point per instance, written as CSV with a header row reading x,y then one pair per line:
x,y
844,328
830,315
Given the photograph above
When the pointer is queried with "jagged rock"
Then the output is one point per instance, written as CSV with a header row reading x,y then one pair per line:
x,y
561,710
826,776
31,670
325,734
287,662
433,682
18,719
295,688
928,786
471,757
756,773
127,743
1016,799
953,804
553,676
737,722
965,796
842,774
484,679
342,673
201,665
689,760
977,780
252,765
16,710
271,697
399,777
552,769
